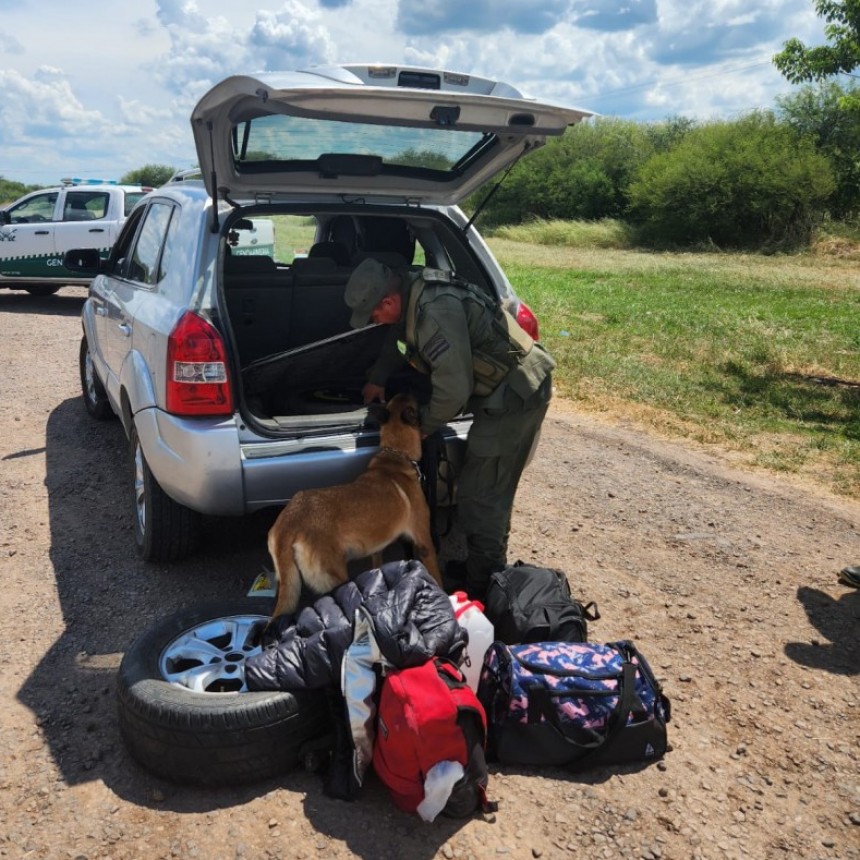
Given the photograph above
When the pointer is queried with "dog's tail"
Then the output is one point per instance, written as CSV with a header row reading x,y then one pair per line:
x,y
289,577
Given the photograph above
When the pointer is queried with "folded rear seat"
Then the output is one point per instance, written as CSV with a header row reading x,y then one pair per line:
x,y
319,309
260,305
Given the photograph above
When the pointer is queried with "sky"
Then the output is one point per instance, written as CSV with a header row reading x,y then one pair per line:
x,y
96,88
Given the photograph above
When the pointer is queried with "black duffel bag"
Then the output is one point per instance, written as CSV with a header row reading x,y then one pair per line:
x,y
572,704
527,603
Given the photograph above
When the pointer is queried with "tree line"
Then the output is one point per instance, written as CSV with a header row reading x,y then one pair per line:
x,y
764,180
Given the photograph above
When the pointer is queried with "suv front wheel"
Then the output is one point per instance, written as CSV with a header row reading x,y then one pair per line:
x,y
164,530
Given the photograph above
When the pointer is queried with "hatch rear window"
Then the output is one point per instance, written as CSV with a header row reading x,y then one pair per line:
x,y
279,141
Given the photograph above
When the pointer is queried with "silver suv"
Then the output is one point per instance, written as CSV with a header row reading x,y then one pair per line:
x,y
237,378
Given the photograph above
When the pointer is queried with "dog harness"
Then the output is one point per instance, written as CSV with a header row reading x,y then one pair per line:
x,y
414,463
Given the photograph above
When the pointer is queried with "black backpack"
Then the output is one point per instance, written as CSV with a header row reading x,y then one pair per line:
x,y
526,604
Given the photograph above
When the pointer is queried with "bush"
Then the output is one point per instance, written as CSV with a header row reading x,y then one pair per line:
x,y
751,183
583,175
152,175
828,114
10,191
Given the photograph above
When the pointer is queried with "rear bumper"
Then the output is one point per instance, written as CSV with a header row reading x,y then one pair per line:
x,y
195,461
201,464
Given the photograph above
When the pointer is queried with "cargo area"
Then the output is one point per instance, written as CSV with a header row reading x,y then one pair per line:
x,y
290,323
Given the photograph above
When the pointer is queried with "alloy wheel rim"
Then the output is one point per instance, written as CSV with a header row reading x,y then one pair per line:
x,y
139,488
210,657
90,378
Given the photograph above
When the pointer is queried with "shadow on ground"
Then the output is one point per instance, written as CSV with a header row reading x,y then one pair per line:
x,y
108,596
838,621
56,305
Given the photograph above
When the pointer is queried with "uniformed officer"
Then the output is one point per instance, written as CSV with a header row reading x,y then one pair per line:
x,y
479,360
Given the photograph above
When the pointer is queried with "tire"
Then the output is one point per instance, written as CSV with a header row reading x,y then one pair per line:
x,y
211,738
164,530
42,289
95,396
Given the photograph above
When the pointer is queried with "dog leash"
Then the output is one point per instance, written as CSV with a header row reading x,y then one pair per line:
x,y
432,456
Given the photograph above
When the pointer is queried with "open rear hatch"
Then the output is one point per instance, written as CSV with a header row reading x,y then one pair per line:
x,y
384,132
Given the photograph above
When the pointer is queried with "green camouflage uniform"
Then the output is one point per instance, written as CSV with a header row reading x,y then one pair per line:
x,y
452,331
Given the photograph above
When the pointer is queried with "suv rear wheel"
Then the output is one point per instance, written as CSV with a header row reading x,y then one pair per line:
x,y
164,530
95,397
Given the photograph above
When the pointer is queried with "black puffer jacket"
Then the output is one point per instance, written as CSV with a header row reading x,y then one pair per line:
x,y
412,619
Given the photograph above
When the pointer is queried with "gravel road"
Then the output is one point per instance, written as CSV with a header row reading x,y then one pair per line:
x,y
726,580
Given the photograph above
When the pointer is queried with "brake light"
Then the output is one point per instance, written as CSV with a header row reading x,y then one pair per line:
x,y
197,379
528,321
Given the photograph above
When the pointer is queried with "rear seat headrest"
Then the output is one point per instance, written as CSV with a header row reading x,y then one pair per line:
x,y
314,265
336,251
249,263
391,259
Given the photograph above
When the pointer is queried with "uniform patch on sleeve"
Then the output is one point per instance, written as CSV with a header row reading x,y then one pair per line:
x,y
436,347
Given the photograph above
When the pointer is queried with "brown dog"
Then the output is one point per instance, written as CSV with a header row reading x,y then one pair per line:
x,y
319,531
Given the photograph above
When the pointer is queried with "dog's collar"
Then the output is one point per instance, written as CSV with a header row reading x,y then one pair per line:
x,y
414,463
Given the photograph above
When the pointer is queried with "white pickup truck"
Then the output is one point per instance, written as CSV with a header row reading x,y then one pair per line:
x,y
38,228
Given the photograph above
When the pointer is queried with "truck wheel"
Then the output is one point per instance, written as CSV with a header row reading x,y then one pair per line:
x,y
186,715
42,289
95,397
164,530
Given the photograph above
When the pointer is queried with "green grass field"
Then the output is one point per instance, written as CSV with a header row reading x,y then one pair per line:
x,y
760,355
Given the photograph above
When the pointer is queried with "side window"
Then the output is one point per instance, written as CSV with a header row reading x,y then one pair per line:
x,y
39,207
120,253
130,200
85,205
169,244
144,262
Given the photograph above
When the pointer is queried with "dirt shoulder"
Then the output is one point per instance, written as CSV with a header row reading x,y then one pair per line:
x,y
725,579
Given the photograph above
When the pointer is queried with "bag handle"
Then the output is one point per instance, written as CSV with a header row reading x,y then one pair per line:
x,y
540,704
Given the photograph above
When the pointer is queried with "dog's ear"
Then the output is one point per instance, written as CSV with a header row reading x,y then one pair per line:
x,y
378,412
410,416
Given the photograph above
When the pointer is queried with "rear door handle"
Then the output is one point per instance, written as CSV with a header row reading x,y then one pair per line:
x,y
97,230
125,328
42,232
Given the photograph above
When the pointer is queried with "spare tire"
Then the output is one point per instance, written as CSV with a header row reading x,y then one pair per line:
x,y
185,713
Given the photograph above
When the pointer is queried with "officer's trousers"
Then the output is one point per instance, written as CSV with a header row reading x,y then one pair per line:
x,y
504,430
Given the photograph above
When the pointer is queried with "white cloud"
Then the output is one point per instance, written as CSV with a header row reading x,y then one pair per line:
x,y
294,37
44,103
137,113
205,49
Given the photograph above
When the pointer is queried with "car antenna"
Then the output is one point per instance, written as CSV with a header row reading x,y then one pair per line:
x,y
480,207
216,226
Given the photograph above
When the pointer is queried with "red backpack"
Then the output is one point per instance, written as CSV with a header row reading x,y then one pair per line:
x,y
428,714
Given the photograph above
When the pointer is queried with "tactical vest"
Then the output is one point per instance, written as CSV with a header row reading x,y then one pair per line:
x,y
501,350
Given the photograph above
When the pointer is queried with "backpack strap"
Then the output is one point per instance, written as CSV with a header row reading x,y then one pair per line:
x,y
540,705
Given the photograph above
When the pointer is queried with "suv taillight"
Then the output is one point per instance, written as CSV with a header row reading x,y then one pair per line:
x,y
197,379
528,321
